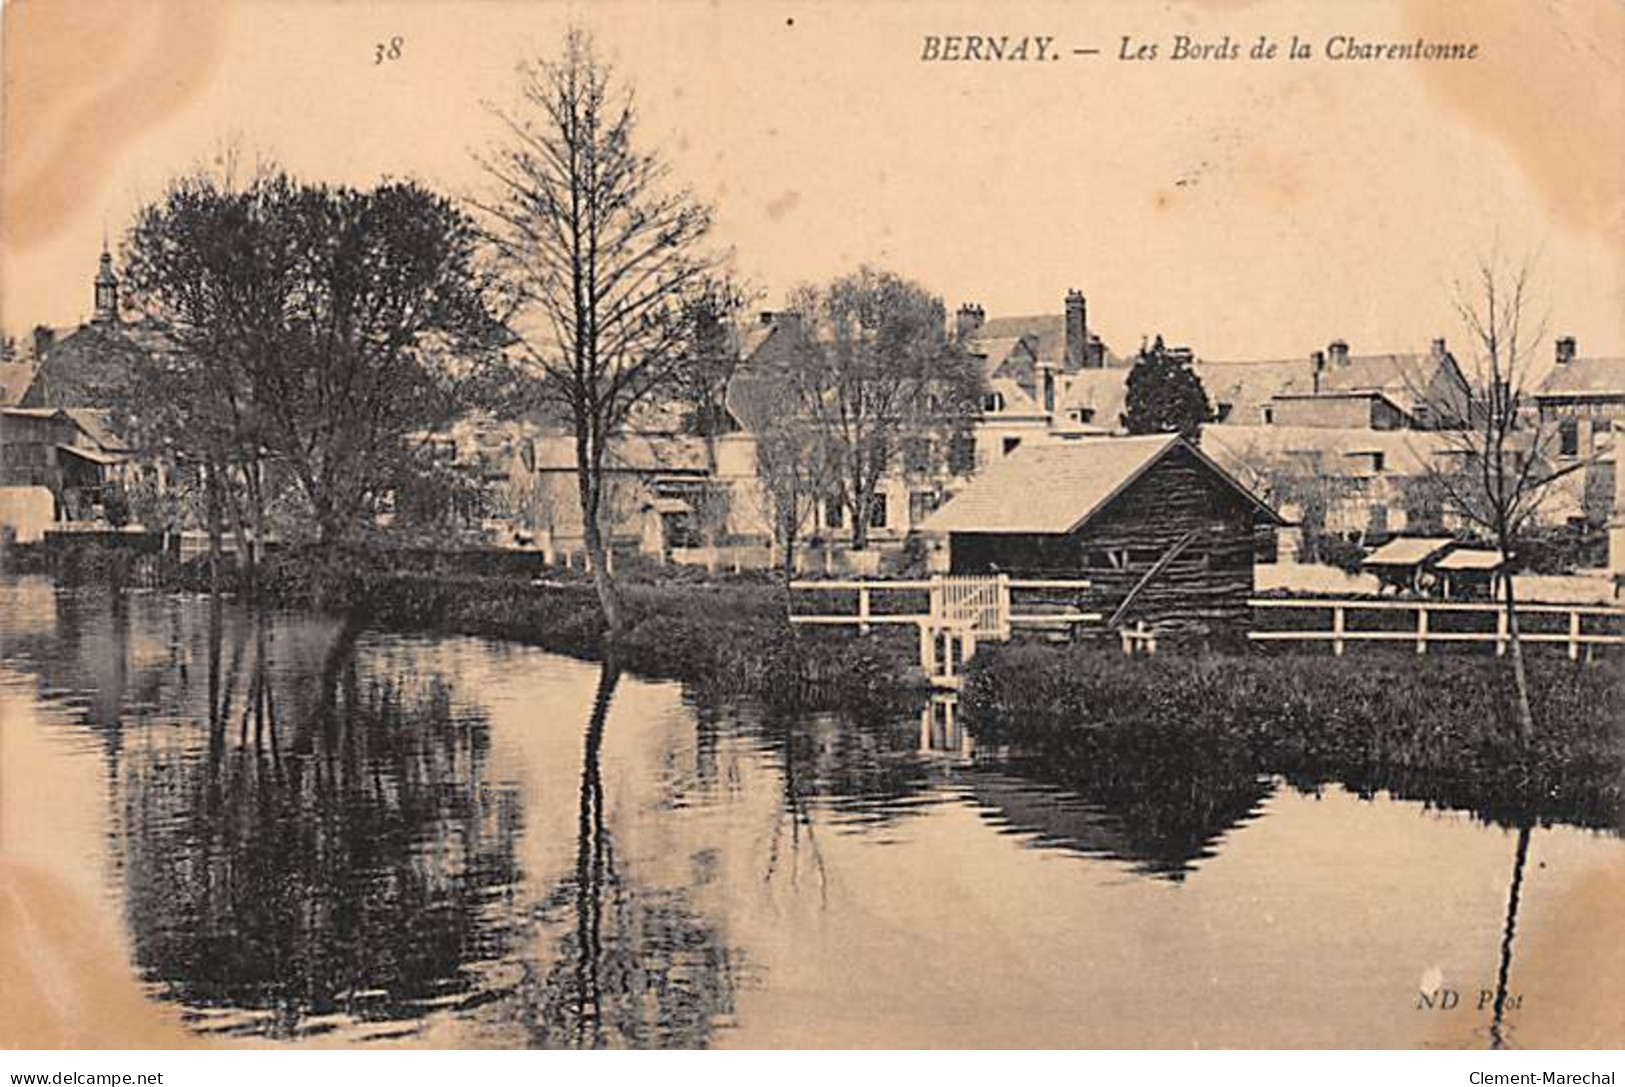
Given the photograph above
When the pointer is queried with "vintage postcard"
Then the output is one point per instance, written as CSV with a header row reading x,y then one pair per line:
x,y
817,525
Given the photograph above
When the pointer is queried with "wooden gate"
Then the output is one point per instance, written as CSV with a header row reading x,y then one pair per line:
x,y
983,602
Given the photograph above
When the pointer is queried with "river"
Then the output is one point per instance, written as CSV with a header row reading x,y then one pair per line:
x,y
224,830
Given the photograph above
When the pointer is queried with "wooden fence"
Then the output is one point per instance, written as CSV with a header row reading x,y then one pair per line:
x,y
959,613
1581,629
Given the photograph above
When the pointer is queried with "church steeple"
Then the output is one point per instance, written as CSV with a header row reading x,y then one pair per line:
x,y
106,291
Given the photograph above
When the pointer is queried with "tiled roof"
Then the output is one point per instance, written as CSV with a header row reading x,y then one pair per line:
x,y
1248,385
1104,392
90,366
1585,377
1056,488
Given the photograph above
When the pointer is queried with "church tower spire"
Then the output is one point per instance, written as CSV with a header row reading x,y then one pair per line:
x,y
106,291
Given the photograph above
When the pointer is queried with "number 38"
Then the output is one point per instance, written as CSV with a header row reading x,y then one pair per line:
x,y
391,51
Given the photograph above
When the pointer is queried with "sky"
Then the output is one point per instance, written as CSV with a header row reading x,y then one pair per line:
x,y
1248,209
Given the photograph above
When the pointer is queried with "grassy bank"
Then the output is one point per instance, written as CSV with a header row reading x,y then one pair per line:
x,y
730,638
1441,730
727,636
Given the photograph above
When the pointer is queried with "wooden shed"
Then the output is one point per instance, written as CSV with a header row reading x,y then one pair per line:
x,y
1162,533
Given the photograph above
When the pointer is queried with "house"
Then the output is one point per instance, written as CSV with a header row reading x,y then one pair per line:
x,y
1363,482
68,454
1046,374
1163,534
657,490
1584,398
1336,389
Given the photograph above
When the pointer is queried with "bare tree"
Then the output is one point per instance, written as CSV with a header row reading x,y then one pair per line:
x,y
602,257
795,470
1495,470
873,370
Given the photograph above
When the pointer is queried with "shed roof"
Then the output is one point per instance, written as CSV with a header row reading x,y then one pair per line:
x,y
1470,558
1407,550
1055,489
95,456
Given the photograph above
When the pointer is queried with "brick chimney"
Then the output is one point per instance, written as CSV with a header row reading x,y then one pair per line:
x,y
1046,387
1077,330
1565,350
968,320
1337,352
1317,362
44,339
1441,350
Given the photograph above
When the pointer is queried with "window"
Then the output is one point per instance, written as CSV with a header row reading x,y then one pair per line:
x,y
1010,445
1269,415
920,505
993,402
877,512
1224,409
962,454
917,456
1569,437
1378,461
834,514
1084,415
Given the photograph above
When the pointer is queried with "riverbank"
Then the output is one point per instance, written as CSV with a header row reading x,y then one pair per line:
x,y
1433,728
728,638
1436,729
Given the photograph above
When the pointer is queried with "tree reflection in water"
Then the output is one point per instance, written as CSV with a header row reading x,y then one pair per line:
x,y
635,965
1500,1033
1144,795
283,881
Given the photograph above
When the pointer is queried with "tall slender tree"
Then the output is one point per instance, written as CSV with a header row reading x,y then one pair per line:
x,y
603,257
1496,470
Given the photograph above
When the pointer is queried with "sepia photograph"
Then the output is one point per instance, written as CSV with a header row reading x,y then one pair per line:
x,y
819,525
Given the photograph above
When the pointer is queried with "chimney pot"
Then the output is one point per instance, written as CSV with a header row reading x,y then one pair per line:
x,y
1565,350
1338,352
1439,348
968,320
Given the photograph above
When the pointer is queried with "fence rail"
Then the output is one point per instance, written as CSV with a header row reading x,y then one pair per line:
x,y
960,611
1425,633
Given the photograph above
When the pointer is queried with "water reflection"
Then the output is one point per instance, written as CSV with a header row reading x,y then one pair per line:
x,y
1499,1033
314,829
634,965
1152,802
347,861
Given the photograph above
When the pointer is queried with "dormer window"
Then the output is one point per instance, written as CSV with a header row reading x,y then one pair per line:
x,y
993,402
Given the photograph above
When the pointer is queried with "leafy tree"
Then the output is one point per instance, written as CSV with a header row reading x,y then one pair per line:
x,y
1164,394
604,262
871,369
325,329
